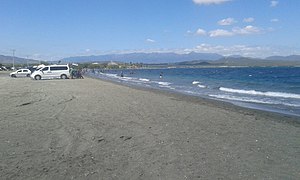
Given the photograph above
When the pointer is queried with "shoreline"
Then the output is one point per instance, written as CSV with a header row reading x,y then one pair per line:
x,y
93,129
214,102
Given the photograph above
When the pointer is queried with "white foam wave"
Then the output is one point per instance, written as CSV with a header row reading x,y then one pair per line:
x,y
201,86
198,84
169,87
164,83
111,75
145,80
190,92
245,99
127,78
269,94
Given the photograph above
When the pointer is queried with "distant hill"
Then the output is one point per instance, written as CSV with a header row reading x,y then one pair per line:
x,y
236,61
284,58
194,63
146,57
246,61
173,59
9,60
190,59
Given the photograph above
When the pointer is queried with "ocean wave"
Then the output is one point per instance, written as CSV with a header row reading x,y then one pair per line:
x,y
269,94
190,92
164,83
110,75
169,87
127,78
198,84
201,86
250,100
143,79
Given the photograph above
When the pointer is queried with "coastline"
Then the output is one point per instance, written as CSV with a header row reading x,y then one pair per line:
x,y
214,102
97,129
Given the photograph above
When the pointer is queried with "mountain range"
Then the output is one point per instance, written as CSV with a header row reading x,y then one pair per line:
x,y
157,58
189,59
17,60
148,58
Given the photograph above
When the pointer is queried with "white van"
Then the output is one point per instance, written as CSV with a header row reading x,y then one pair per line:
x,y
51,72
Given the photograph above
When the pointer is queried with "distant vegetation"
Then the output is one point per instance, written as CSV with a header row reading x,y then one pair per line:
x,y
161,60
106,65
158,60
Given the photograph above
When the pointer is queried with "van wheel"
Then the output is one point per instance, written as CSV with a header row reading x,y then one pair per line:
x,y
37,77
28,75
63,76
14,76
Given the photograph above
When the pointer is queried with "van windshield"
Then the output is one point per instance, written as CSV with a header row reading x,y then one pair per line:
x,y
38,69
45,69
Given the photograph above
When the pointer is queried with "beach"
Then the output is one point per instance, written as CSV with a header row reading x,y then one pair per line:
x,y
94,129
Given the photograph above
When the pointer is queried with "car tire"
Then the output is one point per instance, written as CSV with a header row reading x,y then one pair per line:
x,y
37,77
28,75
63,76
13,76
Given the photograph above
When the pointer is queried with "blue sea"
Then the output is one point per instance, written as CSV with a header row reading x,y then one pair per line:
x,y
275,89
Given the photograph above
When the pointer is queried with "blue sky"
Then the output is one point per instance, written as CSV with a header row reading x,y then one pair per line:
x,y
53,29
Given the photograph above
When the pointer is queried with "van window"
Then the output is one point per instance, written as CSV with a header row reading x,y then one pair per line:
x,y
25,70
45,69
58,68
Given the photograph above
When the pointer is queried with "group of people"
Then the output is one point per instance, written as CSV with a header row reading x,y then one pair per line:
x,y
76,73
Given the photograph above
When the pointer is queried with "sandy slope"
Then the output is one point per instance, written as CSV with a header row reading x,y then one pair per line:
x,y
91,129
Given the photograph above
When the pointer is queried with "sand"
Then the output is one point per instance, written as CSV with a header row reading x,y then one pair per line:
x,y
92,129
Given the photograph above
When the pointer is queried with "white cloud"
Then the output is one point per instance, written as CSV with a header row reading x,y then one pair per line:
x,y
207,2
189,32
246,30
274,3
150,40
220,32
238,49
248,20
274,20
226,22
243,50
201,32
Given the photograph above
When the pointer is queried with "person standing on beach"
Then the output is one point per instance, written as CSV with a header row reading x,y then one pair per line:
x,y
79,74
72,73
161,75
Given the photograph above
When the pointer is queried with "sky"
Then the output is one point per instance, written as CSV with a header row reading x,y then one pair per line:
x,y
54,29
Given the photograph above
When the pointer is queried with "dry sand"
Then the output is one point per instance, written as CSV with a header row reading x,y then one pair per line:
x,y
92,129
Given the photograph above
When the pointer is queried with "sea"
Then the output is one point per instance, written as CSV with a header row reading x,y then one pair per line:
x,y
275,89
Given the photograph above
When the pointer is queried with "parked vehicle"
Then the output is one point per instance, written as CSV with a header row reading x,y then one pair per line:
x,y
32,69
4,68
21,73
51,72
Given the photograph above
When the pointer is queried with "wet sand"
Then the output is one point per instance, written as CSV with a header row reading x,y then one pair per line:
x,y
92,129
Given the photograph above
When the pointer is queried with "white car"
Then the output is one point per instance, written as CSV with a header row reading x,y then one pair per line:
x,y
51,72
21,73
